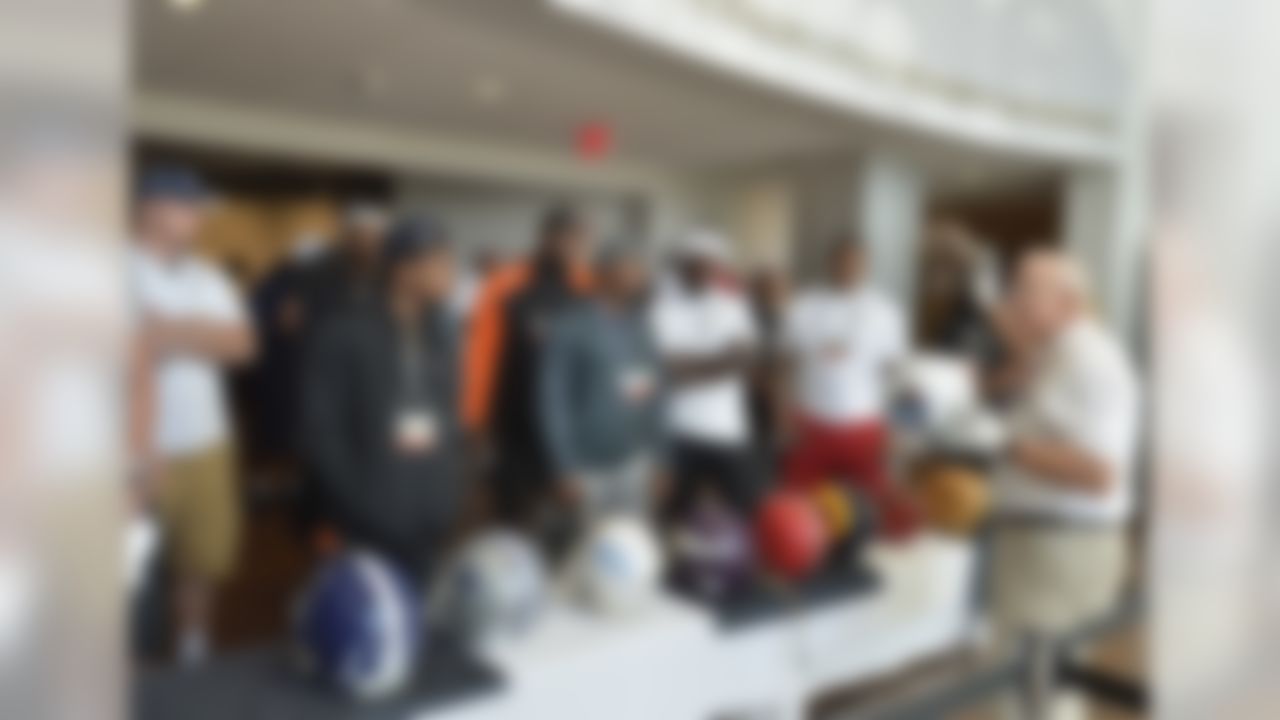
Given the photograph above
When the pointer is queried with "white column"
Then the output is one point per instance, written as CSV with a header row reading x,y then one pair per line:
x,y
889,205
1103,231
1106,210
1088,226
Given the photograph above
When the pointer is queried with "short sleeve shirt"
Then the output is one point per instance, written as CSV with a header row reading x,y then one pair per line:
x,y
191,413
704,324
843,343
1086,394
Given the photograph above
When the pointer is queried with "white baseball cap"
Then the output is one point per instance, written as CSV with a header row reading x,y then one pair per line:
x,y
705,244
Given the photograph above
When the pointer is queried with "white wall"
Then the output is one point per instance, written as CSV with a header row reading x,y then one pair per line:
x,y
891,209
825,204
756,211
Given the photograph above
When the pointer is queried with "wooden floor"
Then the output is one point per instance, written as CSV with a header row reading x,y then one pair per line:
x,y
256,605
1122,654
1125,655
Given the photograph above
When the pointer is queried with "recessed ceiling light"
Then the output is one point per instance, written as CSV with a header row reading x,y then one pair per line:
x,y
489,89
186,6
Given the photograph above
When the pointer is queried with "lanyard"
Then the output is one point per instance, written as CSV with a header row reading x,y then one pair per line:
x,y
414,366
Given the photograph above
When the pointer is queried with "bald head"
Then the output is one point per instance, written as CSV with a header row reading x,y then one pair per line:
x,y
1049,291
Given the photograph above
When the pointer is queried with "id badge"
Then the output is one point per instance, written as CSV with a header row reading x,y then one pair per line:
x,y
637,385
415,431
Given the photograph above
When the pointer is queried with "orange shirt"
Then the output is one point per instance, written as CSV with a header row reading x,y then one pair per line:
x,y
486,337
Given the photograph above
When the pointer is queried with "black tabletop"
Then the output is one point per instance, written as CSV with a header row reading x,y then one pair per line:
x,y
766,600
264,684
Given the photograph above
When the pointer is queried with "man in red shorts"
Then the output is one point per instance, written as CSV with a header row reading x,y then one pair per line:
x,y
840,339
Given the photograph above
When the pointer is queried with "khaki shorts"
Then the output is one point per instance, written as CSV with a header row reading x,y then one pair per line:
x,y
200,509
1050,580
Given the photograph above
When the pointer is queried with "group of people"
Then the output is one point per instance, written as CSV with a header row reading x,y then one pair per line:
x,y
582,380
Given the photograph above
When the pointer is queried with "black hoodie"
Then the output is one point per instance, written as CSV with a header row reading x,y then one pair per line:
x,y
356,384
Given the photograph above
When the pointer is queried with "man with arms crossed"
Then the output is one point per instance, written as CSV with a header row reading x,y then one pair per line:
x,y
707,339
193,326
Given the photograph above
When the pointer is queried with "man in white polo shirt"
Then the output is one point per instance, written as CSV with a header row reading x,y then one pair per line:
x,y
192,324
841,338
706,337
1064,491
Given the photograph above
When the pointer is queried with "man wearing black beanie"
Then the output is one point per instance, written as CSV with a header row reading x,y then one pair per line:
x,y
381,424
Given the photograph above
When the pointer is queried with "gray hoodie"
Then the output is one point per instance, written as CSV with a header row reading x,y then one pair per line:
x,y
600,389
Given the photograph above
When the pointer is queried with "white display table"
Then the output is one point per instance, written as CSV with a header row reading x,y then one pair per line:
x,y
671,661
575,665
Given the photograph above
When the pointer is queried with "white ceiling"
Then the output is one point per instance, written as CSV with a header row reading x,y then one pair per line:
x,y
416,63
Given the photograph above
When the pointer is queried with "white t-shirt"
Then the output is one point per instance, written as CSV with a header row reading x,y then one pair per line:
x,y
843,343
1086,393
703,324
191,413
